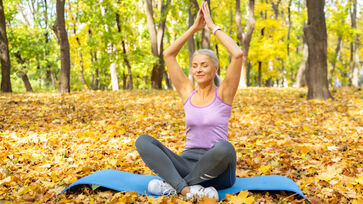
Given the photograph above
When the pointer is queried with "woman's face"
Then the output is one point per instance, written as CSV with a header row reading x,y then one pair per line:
x,y
203,69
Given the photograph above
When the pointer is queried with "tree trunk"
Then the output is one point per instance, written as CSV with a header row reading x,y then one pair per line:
x,y
191,44
275,7
316,37
300,77
25,79
156,39
81,72
124,80
337,50
354,65
49,73
94,79
4,53
114,80
259,73
130,84
110,50
93,83
61,33
249,66
168,81
97,82
23,75
206,33
289,29
245,40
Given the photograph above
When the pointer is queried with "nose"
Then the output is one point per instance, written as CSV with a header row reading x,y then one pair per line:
x,y
199,68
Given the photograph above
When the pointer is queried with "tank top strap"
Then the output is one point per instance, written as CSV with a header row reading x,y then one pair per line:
x,y
216,93
195,90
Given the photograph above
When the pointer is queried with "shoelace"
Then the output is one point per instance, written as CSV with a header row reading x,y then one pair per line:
x,y
204,192
168,189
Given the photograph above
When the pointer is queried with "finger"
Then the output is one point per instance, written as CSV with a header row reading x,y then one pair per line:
x,y
203,3
205,11
205,8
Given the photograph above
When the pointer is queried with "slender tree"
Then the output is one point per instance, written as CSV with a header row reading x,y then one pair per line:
x,y
49,72
334,61
156,39
94,75
23,74
300,77
245,39
59,29
354,48
316,37
130,84
192,10
81,61
206,33
4,53
110,50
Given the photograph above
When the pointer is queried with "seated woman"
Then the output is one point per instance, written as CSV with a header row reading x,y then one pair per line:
x,y
209,160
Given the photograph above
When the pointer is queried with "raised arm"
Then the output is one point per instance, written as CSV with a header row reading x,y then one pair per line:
x,y
181,82
229,86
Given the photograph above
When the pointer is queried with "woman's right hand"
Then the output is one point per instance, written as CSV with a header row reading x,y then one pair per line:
x,y
199,22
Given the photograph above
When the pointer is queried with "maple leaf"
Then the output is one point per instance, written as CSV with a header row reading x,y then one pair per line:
x,y
242,198
207,200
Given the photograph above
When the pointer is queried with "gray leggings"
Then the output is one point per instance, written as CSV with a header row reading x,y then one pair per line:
x,y
214,167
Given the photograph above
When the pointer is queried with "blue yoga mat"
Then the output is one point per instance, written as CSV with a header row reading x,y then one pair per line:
x,y
125,181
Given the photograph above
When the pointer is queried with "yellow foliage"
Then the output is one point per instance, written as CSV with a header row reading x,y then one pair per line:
x,y
242,198
49,140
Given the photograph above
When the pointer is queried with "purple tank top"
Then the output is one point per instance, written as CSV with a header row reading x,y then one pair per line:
x,y
206,125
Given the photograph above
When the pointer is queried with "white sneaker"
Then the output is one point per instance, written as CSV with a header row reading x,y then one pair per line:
x,y
159,187
199,192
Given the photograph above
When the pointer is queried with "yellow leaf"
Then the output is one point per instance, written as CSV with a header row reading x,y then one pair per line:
x,y
265,169
242,198
206,200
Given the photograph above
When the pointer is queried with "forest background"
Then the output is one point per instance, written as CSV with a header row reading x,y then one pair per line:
x,y
110,44
48,140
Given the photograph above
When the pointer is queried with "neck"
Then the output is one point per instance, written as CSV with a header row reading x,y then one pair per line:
x,y
205,89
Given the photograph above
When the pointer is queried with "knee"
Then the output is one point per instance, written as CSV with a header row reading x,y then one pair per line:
x,y
142,141
224,149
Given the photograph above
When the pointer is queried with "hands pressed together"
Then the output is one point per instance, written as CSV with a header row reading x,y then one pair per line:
x,y
203,18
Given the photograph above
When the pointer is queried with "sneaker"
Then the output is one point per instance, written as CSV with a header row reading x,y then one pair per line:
x,y
198,191
159,187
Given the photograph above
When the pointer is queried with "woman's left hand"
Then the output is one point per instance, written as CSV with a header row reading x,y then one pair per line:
x,y
206,13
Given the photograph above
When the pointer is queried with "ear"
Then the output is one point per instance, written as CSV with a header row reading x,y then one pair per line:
x,y
217,67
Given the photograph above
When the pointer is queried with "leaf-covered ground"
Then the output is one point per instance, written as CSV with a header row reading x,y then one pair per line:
x,y
49,140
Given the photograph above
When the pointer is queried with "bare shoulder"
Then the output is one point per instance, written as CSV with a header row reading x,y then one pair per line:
x,y
185,92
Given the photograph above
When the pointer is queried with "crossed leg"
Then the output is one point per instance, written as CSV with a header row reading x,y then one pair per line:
x,y
215,167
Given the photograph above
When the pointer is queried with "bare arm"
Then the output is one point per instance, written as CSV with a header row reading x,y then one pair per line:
x,y
181,82
229,86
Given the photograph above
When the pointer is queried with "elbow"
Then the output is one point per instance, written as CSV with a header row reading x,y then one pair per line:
x,y
166,53
238,54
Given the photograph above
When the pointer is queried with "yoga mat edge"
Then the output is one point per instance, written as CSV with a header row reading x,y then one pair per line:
x,y
125,181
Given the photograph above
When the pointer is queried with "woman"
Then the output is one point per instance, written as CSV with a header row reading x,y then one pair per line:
x,y
209,160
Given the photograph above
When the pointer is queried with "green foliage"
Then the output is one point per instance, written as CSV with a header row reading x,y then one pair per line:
x,y
96,37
